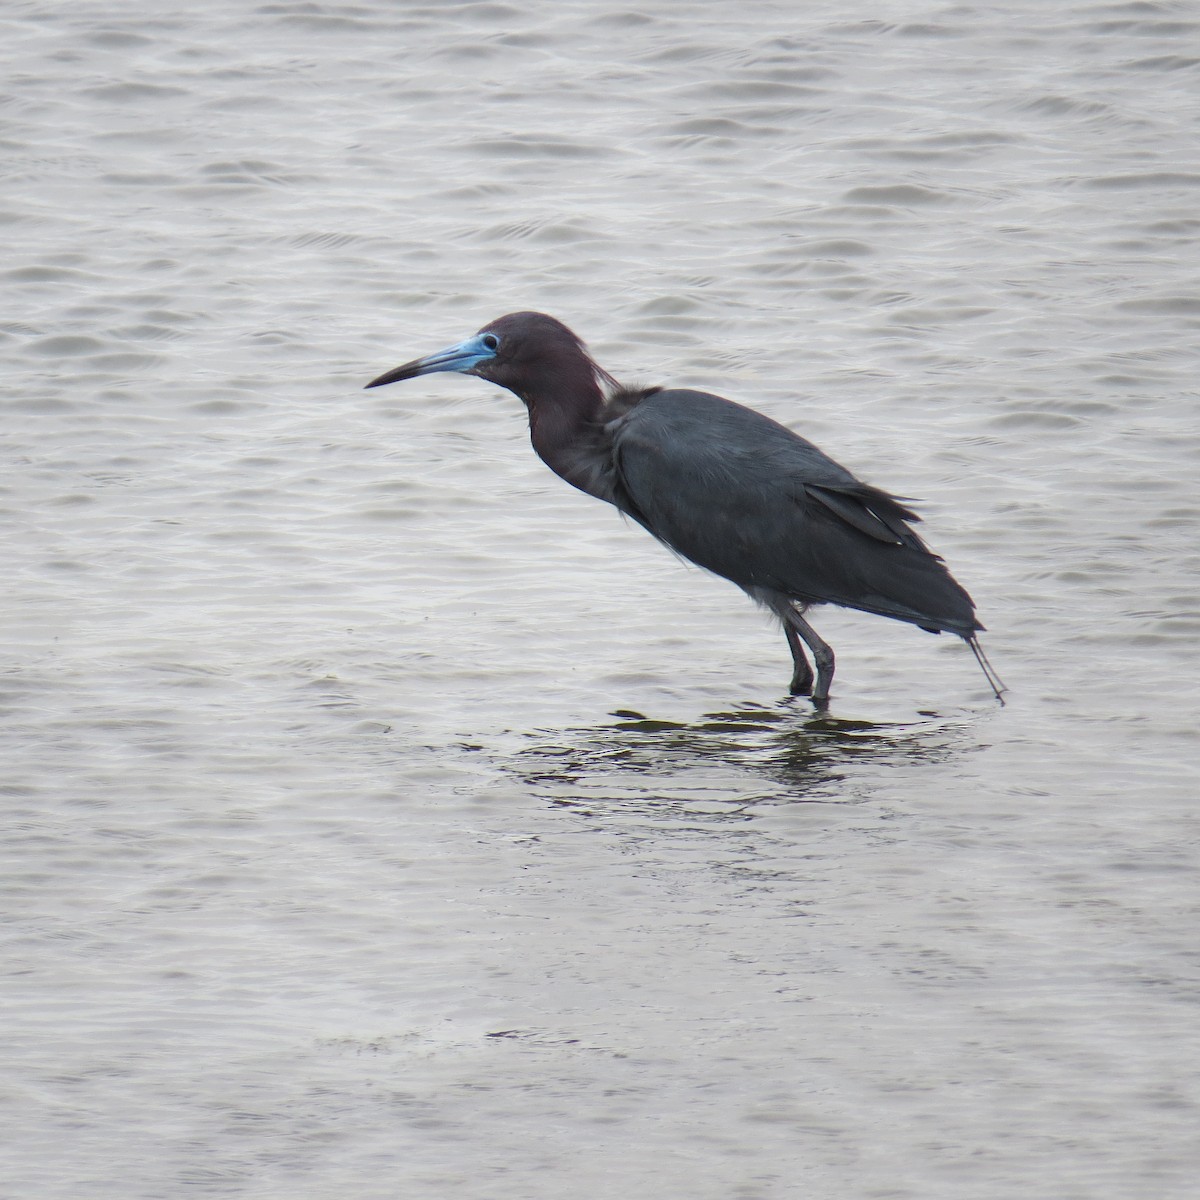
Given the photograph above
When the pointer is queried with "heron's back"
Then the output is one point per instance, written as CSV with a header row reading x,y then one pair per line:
x,y
748,499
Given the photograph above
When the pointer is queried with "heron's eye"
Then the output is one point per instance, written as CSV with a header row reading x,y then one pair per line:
x,y
490,340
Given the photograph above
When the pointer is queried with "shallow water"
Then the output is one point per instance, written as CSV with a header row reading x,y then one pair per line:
x,y
384,818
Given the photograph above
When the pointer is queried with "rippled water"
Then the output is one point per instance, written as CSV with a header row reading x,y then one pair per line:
x,y
384,818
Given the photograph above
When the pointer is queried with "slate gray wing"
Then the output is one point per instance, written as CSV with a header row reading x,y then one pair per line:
x,y
748,499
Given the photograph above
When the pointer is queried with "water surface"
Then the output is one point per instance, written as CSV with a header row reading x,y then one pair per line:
x,y
384,818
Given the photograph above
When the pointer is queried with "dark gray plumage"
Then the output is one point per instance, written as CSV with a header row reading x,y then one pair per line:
x,y
722,485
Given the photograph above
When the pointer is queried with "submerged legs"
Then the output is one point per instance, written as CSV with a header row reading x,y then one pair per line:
x,y
802,676
797,628
800,633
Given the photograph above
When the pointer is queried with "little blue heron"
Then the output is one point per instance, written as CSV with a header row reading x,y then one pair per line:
x,y
721,485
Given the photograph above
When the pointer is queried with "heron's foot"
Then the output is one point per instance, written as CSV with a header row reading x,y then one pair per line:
x,y
802,683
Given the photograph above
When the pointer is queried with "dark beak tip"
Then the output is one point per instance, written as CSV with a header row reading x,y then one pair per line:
x,y
392,376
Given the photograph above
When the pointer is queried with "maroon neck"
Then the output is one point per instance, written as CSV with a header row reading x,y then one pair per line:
x,y
566,426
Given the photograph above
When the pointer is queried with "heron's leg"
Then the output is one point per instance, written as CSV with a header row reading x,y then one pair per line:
x,y
802,676
821,651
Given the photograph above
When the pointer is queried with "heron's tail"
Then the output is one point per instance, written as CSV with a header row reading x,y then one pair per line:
x,y
989,672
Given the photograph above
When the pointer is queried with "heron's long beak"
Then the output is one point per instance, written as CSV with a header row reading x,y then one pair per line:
x,y
461,357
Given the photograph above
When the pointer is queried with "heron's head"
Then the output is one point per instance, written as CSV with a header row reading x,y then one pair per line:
x,y
526,352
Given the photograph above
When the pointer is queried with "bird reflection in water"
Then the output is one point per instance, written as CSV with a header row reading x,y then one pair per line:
x,y
727,762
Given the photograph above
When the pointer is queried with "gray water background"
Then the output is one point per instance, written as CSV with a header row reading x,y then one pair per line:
x,y
382,818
